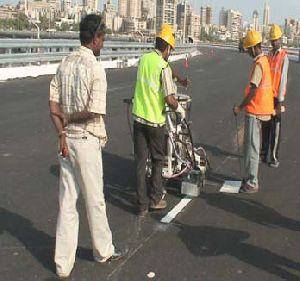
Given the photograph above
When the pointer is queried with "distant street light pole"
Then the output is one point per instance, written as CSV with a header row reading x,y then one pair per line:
x,y
38,29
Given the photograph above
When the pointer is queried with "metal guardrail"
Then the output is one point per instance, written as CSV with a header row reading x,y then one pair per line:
x,y
293,53
16,52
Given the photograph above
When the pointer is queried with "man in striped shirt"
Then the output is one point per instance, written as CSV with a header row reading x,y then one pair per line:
x,y
77,107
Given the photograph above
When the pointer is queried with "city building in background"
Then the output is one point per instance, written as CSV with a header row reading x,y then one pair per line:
x,y
255,21
122,8
193,26
7,12
292,31
149,9
130,8
266,19
182,14
222,17
90,5
110,15
234,24
144,18
166,12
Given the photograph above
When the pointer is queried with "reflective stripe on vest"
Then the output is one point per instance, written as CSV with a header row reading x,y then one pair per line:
x,y
276,64
149,99
262,103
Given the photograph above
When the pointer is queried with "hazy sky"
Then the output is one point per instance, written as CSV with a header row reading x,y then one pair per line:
x,y
279,9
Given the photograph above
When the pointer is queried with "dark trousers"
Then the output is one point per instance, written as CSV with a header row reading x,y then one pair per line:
x,y
275,138
271,135
148,141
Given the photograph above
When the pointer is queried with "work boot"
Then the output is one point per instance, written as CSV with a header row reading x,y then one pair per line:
x,y
274,164
142,212
247,188
114,257
162,204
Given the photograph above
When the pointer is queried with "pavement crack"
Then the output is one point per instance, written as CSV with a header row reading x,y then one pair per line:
x,y
130,255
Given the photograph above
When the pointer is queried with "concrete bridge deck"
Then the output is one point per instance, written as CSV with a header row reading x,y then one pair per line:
x,y
216,237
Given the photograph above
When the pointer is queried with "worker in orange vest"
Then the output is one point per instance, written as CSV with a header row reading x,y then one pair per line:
x,y
258,105
271,130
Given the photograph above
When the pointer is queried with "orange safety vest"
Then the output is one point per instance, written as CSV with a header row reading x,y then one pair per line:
x,y
276,64
263,102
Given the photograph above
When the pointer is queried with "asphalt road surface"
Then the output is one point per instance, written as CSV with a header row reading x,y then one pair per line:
x,y
216,237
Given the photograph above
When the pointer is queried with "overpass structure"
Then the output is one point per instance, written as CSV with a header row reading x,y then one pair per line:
x,y
216,236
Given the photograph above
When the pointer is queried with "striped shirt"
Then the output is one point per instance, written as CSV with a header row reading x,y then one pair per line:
x,y
80,85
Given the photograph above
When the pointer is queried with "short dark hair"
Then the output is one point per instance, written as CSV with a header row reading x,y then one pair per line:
x,y
161,44
91,25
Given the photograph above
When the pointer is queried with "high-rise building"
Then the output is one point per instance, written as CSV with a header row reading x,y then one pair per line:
x,y
91,5
183,11
109,13
148,9
255,20
223,17
205,15
266,19
234,23
291,27
130,8
208,15
109,7
193,26
166,11
135,9
66,5
45,8
122,8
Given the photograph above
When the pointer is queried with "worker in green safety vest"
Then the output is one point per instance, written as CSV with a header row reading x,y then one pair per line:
x,y
154,90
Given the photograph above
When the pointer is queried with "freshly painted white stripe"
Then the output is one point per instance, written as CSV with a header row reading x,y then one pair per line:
x,y
176,210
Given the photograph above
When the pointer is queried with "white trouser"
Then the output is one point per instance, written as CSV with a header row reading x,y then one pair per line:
x,y
81,172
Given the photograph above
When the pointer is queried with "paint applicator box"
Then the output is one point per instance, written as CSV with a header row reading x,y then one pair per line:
x,y
190,185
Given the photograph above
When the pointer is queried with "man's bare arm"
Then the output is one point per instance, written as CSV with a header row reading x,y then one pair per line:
x,y
57,116
171,102
81,117
246,100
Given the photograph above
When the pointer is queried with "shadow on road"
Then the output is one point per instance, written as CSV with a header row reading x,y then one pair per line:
x,y
36,242
216,151
206,241
250,210
218,178
119,181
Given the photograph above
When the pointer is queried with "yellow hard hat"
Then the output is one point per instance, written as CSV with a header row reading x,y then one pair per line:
x,y
275,32
167,34
252,39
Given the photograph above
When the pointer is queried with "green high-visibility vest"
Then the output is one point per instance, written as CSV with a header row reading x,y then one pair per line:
x,y
149,99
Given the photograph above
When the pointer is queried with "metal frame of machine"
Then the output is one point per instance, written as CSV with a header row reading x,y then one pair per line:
x,y
183,161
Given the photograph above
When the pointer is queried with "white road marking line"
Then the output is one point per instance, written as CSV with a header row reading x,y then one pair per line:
x,y
176,210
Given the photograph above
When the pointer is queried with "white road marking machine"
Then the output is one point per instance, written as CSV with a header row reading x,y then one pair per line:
x,y
183,161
